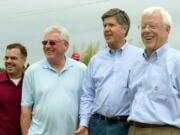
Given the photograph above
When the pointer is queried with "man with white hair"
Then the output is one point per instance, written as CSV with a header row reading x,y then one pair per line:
x,y
154,82
51,89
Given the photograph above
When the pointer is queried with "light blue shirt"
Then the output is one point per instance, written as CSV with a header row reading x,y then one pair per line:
x,y
155,88
54,97
105,86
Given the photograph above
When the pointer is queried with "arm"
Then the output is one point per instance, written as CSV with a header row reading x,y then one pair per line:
x,y
25,119
87,97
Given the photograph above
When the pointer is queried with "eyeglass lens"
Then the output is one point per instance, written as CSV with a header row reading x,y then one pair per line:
x,y
50,42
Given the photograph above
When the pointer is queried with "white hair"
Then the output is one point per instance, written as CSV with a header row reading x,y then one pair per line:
x,y
167,20
64,35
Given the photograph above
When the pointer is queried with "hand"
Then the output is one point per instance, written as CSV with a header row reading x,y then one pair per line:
x,y
81,131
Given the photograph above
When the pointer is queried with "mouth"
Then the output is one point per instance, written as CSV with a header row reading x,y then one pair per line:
x,y
148,38
9,67
48,51
108,36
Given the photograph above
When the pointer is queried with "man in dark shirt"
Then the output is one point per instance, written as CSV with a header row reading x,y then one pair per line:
x,y
10,89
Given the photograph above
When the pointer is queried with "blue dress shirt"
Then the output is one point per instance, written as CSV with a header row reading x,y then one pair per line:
x,y
105,85
154,84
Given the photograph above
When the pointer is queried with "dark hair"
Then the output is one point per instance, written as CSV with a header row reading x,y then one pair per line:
x,y
121,16
20,46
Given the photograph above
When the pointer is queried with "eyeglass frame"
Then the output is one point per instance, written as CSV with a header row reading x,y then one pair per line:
x,y
51,42
152,26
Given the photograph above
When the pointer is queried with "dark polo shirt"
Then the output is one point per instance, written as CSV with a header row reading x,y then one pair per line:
x,y
10,105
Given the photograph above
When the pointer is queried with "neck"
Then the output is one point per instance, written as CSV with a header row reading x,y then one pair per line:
x,y
57,64
117,46
15,76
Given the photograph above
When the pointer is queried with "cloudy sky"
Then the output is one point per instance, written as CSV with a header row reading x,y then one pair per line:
x,y
24,21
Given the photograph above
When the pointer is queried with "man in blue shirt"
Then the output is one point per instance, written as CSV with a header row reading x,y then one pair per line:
x,y
51,89
154,81
104,106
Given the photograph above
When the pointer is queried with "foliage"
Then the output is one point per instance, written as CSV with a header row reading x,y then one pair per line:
x,y
87,51
1,69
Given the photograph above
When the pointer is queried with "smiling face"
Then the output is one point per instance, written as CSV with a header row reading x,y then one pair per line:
x,y
57,49
14,62
154,32
114,33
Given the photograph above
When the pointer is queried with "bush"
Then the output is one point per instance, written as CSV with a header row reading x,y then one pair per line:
x,y
1,69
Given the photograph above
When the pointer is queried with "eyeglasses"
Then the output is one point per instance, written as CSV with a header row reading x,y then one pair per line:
x,y
51,42
151,26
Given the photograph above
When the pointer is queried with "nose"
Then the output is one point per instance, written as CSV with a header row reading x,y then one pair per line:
x,y
146,28
47,45
106,28
8,60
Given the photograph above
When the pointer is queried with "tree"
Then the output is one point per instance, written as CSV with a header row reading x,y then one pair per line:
x,y
87,51
1,69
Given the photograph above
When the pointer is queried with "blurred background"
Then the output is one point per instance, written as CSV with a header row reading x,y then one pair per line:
x,y
24,21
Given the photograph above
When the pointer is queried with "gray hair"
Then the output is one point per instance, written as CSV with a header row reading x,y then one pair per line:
x,y
167,20
64,35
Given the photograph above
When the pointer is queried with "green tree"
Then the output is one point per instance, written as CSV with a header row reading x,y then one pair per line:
x,y
91,49
1,69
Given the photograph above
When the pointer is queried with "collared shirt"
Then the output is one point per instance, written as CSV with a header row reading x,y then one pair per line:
x,y
10,100
54,97
105,86
155,88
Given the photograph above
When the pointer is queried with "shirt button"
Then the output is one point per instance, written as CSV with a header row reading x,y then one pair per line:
x,y
156,88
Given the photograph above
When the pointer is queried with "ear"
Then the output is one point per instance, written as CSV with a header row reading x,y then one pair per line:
x,y
66,43
168,28
125,29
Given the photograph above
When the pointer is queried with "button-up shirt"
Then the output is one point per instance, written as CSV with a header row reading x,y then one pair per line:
x,y
105,86
10,108
154,84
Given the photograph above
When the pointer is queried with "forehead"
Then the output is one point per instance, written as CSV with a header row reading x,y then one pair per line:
x,y
52,36
13,52
155,17
110,19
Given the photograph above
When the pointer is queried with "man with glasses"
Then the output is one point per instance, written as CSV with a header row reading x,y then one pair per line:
x,y
154,82
51,89
11,88
105,103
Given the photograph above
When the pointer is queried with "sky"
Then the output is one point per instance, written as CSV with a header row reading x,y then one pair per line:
x,y
24,21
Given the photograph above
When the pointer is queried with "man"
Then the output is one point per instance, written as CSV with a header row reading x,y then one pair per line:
x,y
11,88
51,89
105,103
155,81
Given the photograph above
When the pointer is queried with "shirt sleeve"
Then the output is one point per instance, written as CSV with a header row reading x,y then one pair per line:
x,y
27,90
87,97
177,69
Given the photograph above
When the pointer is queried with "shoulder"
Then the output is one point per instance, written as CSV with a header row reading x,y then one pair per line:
x,y
35,67
173,55
3,76
77,64
134,49
103,54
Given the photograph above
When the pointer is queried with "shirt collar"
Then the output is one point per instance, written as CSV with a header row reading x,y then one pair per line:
x,y
120,50
157,53
5,77
67,65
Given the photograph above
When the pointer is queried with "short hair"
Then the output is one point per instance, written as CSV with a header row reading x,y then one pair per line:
x,y
21,47
167,20
64,35
121,16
